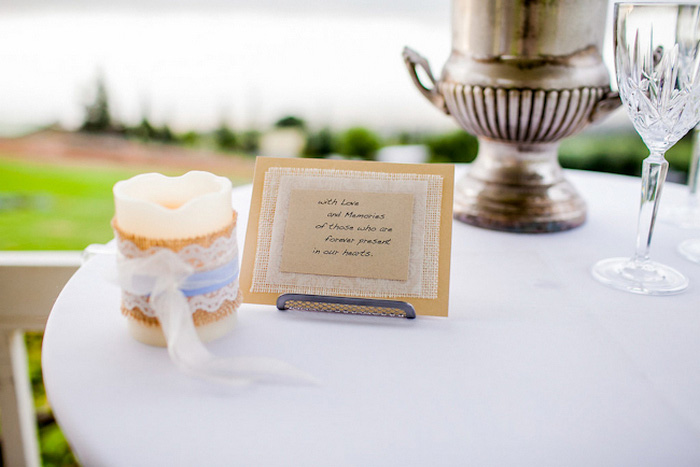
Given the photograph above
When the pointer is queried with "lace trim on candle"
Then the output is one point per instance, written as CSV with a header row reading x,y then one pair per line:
x,y
221,248
176,244
218,253
209,303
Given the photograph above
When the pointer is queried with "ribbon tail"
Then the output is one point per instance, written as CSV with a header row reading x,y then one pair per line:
x,y
264,369
191,356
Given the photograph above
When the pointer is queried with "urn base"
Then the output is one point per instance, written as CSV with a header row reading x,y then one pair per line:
x,y
518,188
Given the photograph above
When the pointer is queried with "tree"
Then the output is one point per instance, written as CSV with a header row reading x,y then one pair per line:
x,y
144,130
97,114
359,142
319,144
250,141
165,134
225,137
190,138
408,137
457,146
290,121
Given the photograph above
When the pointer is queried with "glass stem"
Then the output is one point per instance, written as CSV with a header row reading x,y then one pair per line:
x,y
654,171
693,171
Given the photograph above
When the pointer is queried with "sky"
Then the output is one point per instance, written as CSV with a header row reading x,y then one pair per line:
x,y
192,64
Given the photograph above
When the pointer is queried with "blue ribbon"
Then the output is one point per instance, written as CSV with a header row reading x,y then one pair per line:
x,y
208,281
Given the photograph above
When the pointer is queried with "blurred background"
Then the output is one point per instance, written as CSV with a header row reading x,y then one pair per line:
x,y
94,91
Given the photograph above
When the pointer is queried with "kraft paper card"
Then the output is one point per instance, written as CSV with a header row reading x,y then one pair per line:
x,y
350,229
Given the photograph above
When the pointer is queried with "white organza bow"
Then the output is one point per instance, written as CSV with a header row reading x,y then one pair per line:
x,y
161,276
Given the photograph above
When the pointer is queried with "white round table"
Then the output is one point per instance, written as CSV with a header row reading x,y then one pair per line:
x,y
537,364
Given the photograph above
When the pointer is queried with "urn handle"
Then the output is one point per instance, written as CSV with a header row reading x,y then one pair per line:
x,y
413,60
609,102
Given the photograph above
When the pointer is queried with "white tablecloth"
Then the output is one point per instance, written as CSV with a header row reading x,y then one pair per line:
x,y
537,364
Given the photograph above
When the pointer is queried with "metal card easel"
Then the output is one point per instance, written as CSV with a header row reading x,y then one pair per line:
x,y
346,305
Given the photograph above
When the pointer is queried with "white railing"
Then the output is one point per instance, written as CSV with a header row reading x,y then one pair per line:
x,y
30,281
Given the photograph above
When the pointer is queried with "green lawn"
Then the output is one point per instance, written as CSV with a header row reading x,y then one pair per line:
x,y
47,207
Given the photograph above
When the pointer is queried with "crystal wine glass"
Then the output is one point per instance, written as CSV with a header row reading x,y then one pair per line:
x,y
658,80
686,214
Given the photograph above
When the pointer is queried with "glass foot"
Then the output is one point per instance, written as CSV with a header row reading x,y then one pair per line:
x,y
690,249
641,277
685,217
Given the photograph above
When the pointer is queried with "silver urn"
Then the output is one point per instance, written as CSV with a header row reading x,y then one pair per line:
x,y
522,75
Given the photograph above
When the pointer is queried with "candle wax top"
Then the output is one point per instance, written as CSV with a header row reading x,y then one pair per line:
x,y
155,206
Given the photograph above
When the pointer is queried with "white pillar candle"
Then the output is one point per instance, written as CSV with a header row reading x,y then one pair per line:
x,y
155,206
152,210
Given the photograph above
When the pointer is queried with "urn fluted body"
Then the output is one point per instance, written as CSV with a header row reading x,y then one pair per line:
x,y
522,75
